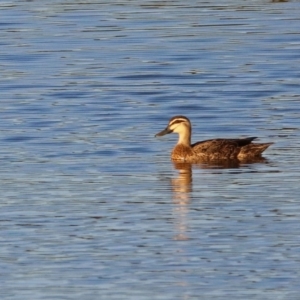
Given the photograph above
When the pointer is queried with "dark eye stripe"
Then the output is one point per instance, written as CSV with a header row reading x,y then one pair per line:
x,y
176,122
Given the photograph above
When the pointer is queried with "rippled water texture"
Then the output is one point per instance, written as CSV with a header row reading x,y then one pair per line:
x,y
91,205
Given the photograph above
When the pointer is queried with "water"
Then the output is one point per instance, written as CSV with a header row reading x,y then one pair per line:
x,y
91,206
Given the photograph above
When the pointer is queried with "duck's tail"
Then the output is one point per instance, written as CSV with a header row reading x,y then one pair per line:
x,y
253,150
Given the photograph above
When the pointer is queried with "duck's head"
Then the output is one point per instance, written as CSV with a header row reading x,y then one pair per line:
x,y
178,124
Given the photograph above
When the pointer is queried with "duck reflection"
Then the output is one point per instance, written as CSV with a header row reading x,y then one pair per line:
x,y
182,187
182,184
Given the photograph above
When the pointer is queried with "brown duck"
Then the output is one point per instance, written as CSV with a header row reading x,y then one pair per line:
x,y
210,150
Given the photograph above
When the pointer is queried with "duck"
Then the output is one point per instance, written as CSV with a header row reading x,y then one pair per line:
x,y
240,149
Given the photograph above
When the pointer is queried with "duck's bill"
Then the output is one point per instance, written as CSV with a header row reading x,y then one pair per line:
x,y
164,132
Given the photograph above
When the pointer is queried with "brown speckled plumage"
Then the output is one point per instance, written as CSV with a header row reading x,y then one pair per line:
x,y
212,150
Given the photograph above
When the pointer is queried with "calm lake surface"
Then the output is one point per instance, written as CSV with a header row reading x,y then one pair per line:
x,y
91,205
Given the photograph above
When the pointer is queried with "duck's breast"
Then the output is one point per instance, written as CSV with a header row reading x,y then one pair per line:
x,y
182,153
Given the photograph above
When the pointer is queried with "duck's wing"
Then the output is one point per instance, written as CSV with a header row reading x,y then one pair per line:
x,y
251,151
221,148
222,142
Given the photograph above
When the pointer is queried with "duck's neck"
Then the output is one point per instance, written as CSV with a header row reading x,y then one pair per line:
x,y
185,139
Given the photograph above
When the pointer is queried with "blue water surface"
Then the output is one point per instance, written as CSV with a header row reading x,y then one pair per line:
x,y
91,205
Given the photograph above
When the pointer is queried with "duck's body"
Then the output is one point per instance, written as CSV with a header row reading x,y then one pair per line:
x,y
213,150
